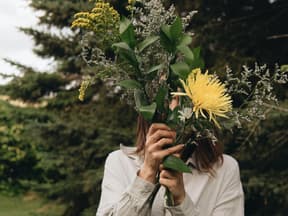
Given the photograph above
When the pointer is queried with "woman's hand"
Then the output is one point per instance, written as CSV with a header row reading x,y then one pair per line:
x,y
174,182
158,136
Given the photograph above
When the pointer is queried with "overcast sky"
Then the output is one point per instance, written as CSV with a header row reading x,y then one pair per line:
x,y
14,44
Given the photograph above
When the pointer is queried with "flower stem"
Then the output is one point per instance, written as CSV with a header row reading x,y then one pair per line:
x,y
169,197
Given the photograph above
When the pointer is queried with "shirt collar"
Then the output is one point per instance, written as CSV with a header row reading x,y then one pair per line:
x,y
130,152
191,161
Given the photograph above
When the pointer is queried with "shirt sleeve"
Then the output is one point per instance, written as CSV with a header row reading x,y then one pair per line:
x,y
116,200
231,200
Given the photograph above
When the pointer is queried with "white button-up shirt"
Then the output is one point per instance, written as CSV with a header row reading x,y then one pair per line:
x,y
124,193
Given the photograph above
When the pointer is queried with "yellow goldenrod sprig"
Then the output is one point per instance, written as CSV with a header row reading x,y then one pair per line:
x,y
103,19
82,89
131,2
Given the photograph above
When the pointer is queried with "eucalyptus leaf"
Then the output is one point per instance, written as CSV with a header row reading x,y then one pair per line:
x,y
130,84
174,163
147,42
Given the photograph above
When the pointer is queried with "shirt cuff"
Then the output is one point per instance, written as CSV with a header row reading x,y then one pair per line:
x,y
141,189
187,207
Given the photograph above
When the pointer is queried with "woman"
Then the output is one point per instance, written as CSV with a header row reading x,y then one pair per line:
x,y
212,189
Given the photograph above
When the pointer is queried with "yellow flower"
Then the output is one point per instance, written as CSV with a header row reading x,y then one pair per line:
x,y
208,95
82,90
131,1
103,19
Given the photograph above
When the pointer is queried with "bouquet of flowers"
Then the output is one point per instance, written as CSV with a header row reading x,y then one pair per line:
x,y
149,55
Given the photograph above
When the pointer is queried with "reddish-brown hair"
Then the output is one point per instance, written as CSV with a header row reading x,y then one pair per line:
x,y
207,154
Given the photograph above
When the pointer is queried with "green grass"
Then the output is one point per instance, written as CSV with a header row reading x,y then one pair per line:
x,y
28,205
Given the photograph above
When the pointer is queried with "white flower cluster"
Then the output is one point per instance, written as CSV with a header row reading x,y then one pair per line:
x,y
257,87
153,14
185,114
148,19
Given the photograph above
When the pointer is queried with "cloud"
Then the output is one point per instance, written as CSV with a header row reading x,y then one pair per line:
x,y
13,43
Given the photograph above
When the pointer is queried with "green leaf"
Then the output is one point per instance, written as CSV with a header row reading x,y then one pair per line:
x,y
130,84
166,40
173,119
181,69
152,72
176,164
147,42
140,99
126,53
284,68
127,33
155,68
166,31
187,52
197,52
197,63
176,30
148,111
122,45
160,98
185,40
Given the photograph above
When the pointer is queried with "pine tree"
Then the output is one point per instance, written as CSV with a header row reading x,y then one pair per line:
x,y
74,138
71,144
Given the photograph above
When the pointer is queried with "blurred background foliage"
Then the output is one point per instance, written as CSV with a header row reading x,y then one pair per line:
x,y
55,145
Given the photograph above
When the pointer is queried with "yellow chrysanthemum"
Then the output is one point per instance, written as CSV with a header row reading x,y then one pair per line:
x,y
208,95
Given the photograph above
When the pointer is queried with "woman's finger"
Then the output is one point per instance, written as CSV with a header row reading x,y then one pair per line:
x,y
166,182
177,154
157,126
169,151
162,143
168,174
159,134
